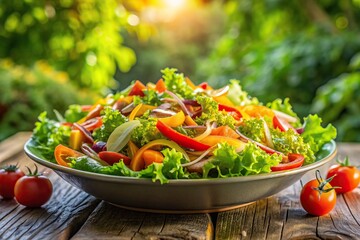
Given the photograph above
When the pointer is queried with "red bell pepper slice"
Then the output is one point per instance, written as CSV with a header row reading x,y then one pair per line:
x,y
295,160
137,89
204,85
179,138
231,110
282,124
113,157
92,123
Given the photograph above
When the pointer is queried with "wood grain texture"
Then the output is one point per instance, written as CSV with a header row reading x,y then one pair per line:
x,y
73,214
282,217
109,222
60,218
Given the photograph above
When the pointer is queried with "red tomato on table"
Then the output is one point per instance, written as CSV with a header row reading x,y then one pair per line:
x,y
317,196
33,190
8,177
346,176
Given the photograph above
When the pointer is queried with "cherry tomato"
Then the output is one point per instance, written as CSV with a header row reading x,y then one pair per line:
x,y
8,177
317,196
33,189
346,177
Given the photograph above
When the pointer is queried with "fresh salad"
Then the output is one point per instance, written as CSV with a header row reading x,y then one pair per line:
x,y
174,129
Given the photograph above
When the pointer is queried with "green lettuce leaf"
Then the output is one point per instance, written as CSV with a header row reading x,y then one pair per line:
x,y
285,107
151,98
47,134
74,113
147,131
175,82
238,96
291,142
210,112
228,163
111,120
315,134
172,168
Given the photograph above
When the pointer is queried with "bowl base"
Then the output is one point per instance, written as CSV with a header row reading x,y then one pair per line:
x,y
191,211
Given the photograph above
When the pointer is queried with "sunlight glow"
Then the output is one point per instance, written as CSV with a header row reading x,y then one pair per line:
x,y
174,4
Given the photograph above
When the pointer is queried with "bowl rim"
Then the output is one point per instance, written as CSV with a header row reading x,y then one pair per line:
x,y
134,180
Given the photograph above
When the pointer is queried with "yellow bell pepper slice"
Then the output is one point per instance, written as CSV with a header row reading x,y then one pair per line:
x,y
140,110
137,162
212,140
189,121
76,139
175,120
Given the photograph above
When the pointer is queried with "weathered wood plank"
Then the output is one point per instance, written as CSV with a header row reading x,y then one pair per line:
x,y
282,217
109,222
60,218
13,145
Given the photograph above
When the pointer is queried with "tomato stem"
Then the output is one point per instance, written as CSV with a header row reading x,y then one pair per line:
x,y
323,183
35,173
11,168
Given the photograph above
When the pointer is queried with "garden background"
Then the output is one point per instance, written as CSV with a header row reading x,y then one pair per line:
x,y
56,53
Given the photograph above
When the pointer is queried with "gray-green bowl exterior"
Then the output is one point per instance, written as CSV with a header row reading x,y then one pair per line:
x,y
181,196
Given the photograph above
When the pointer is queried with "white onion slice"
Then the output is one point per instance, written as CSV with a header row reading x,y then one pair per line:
x,y
285,116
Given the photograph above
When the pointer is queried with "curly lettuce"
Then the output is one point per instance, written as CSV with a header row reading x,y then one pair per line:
x,y
175,82
315,134
47,134
228,163
111,120
210,112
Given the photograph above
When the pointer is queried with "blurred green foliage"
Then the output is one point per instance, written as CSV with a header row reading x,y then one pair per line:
x,y
304,49
26,92
80,37
296,49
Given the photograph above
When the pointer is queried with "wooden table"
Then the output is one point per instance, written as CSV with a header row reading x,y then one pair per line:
x,y
73,214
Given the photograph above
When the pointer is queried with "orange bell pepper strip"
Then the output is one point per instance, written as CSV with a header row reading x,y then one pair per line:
x,y
190,83
160,86
256,111
151,156
212,140
137,162
225,131
175,120
62,154
179,138
132,149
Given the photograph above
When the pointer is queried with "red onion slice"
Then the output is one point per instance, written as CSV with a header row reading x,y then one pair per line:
x,y
180,102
